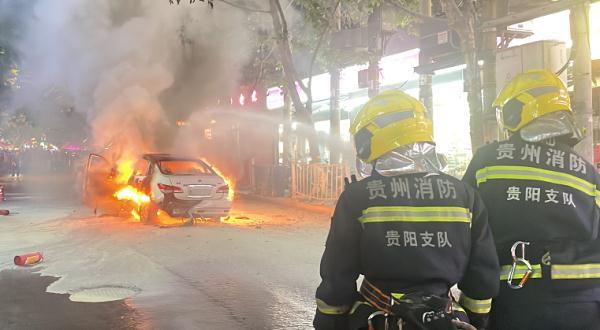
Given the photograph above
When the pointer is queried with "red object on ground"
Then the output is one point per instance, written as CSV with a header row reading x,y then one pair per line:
x,y
4,212
29,259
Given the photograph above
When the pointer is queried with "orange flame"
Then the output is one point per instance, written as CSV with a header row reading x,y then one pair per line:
x,y
228,181
124,170
135,215
132,194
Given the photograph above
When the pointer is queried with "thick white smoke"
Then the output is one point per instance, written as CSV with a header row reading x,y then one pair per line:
x,y
133,67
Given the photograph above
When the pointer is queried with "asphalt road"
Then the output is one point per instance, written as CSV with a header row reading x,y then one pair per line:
x,y
257,270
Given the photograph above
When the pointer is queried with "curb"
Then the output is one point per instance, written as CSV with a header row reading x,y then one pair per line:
x,y
321,209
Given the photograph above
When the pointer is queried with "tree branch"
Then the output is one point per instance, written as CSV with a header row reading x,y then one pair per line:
x,y
245,8
315,52
452,10
415,14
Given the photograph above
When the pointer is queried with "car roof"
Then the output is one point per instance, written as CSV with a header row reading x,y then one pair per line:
x,y
161,157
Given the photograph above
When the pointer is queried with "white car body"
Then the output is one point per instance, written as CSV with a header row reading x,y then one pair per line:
x,y
182,187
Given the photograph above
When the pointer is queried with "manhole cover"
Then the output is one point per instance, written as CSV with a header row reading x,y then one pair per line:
x,y
104,293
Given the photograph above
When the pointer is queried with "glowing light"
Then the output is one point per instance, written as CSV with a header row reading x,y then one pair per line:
x,y
228,181
132,194
124,170
135,215
242,99
254,96
238,221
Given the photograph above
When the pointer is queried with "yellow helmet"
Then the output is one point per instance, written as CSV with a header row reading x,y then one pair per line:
x,y
528,96
388,121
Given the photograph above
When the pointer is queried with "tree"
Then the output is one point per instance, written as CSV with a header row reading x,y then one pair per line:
x,y
314,43
463,20
12,16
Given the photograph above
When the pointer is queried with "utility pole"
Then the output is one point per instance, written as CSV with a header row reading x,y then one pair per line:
x,y
489,46
375,50
582,77
426,79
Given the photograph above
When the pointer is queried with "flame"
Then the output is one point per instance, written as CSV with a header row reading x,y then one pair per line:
x,y
228,181
132,194
135,215
124,170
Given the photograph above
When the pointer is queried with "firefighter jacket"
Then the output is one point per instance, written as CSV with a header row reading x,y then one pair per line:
x,y
547,195
409,233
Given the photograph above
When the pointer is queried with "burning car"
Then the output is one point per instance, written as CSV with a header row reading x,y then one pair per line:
x,y
157,185
181,187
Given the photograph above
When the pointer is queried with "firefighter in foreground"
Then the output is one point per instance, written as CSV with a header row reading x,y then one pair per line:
x,y
542,199
412,231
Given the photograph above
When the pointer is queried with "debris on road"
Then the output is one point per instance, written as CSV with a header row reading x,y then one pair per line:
x,y
28,259
4,212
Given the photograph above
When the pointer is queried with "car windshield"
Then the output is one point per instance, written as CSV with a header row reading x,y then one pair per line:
x,y
183,167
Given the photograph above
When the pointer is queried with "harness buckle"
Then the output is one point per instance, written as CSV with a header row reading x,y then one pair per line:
x,y
516,261
374,315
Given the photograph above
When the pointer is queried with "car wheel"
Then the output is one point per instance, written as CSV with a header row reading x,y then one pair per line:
x,y
148,213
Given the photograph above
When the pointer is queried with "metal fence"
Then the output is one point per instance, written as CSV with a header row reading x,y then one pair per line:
x,y
323,182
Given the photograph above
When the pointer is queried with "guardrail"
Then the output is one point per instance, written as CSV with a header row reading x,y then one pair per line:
x,y
322,182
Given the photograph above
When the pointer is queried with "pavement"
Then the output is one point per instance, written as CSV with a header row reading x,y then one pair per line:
x,y
315,207
257,269
25,304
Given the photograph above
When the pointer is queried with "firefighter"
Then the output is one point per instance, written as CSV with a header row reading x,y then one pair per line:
x,y
542,199
411,230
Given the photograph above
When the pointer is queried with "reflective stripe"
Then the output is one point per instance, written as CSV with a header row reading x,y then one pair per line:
x,y
573,272
331,310
393,117
538,91
397,295
416,214
475,305
520,272
535,174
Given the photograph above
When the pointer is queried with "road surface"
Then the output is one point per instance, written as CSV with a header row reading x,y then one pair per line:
x,y
258,270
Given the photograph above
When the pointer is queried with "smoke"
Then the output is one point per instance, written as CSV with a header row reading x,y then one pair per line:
x,y
132,67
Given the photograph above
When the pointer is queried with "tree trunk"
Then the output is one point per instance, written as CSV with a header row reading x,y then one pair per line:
x,y
291,77
473,81
463,22
426,79
582,78
489,74
375,45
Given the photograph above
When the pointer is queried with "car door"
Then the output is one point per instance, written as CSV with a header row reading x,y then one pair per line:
x,y
97,179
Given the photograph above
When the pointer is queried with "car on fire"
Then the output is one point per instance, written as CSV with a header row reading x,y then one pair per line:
x,y
181,187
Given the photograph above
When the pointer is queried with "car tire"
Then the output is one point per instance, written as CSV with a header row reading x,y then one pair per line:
x,y
148,213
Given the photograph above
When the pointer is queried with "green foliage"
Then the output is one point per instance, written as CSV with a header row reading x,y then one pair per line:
x,y
13,15
18,128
